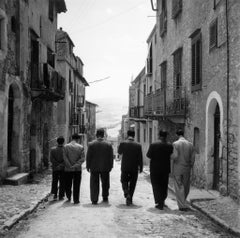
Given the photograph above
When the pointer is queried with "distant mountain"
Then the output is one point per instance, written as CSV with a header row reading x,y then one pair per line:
x,y
109,114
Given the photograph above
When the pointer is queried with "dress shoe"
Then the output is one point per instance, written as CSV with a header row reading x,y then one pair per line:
x,y
184,209
159,206
54,197
105,199
76,202
94,203
61,198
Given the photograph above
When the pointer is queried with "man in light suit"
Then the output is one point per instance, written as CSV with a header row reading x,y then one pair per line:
x,y
183,160
132,163
99,164
73,159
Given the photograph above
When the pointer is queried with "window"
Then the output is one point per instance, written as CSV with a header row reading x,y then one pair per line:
x,y
50,10
215,3
50,57
213,34
163,18
149,61
177,69
176,8
163,74
196,60
196,139
13,24
144,135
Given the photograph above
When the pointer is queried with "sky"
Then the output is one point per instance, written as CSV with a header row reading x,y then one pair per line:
x,y
110,38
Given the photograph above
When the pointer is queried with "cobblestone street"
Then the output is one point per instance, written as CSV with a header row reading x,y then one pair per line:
x,y
63,219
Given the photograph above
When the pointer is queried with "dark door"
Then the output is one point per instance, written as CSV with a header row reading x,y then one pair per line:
x,y
216,148
10,124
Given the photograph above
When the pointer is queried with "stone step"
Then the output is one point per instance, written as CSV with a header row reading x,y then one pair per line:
x,y
12,170
17,179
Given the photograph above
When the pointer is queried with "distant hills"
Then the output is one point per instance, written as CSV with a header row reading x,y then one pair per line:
x,y
109,114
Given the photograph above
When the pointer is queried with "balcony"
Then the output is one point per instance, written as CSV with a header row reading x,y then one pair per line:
x,y
80,101
136,112
74,119
52,88
167,102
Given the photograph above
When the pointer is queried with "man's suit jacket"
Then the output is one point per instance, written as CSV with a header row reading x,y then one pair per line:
x,y
73,156
131,152
159,154
56,158
99,156
183,156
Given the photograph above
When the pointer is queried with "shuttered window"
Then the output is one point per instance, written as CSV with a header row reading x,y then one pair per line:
x,y
163,18
51,10
177,68
196,62
213,32
164,74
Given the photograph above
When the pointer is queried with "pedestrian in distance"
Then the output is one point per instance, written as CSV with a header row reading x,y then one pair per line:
x,y
183,158
159,154
58,178
99,162
131,164
73,159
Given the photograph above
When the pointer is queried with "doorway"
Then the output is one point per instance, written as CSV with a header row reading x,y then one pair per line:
x,y
217,135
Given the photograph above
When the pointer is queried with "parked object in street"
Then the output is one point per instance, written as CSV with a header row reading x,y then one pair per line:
x,y
131,163
99,164
183,160
73,158
159,154
56,158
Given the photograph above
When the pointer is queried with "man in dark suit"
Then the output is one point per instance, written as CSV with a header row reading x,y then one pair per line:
x,y
73,159
56,158
159,154
132,162
99,164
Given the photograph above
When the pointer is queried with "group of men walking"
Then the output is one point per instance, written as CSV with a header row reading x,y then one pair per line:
x,y
177,158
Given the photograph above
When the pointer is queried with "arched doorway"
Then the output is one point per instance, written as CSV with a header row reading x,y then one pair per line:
x,y
217,135
13,128
213,144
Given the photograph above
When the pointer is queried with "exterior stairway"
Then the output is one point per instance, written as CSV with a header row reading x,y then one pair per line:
x,y
14,177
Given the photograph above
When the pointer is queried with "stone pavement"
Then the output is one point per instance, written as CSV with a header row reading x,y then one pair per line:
x,y
222,210
18,201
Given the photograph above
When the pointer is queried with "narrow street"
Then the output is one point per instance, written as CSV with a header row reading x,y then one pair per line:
x,y
142,219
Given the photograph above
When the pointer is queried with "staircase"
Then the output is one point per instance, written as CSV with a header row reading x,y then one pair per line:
x,y
14,177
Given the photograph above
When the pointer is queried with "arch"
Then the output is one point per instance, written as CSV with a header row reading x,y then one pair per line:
x,y
14,124
214,100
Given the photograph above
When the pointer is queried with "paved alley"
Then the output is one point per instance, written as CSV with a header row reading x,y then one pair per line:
x,y
115,219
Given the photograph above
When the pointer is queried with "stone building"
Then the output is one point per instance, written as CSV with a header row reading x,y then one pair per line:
x,y
71,110
198,56
137,119
90,120
28,93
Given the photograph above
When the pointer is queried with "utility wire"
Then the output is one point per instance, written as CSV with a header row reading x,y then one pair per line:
x,y
111,18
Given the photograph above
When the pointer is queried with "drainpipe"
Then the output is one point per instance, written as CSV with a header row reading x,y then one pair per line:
x,y
228,99
154,9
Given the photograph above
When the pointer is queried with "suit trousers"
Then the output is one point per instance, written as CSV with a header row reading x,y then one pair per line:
x,y
58,177
73,178
159,183
182,187
94,185
129,180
